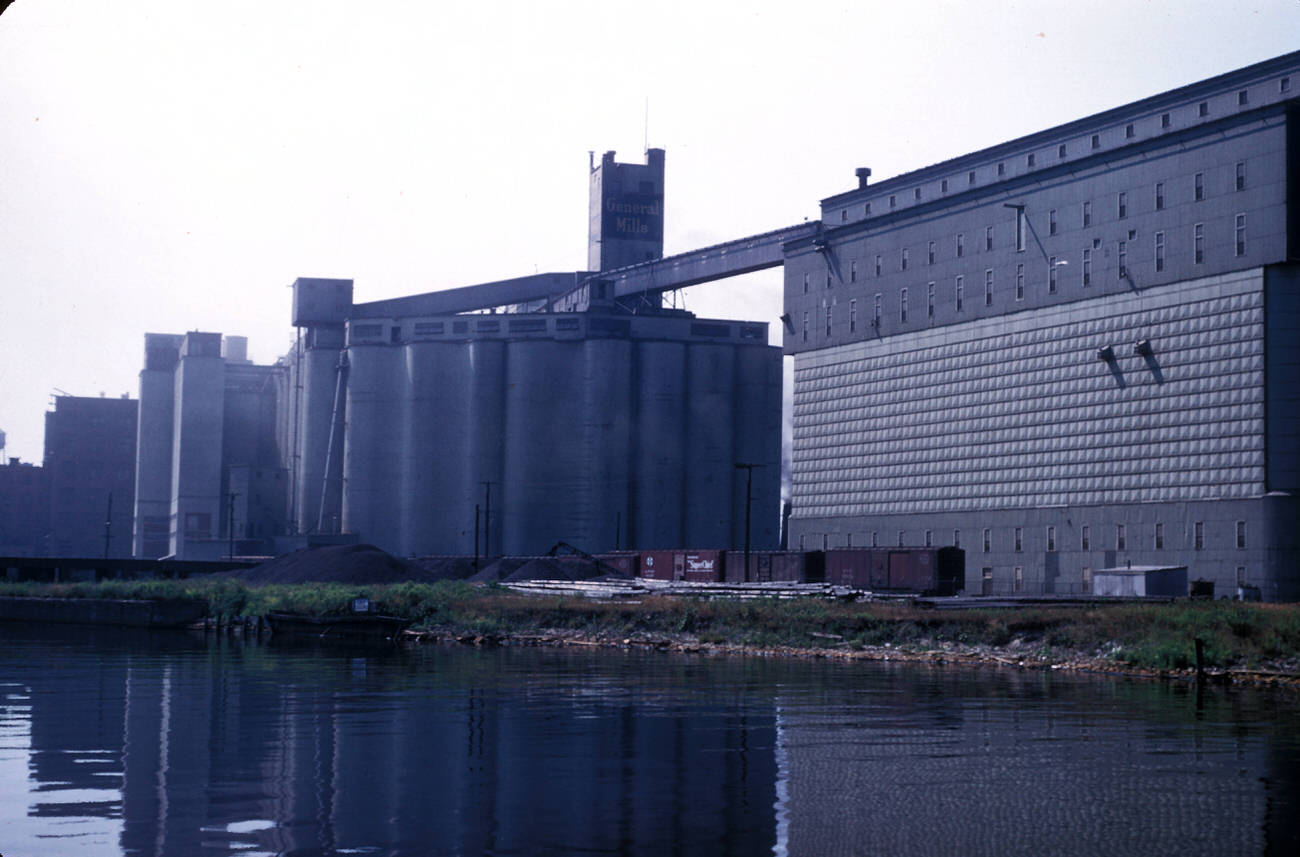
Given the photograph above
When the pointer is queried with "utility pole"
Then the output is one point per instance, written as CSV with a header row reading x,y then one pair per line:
x,y
230,522
108,525
749,502
487,520
476,508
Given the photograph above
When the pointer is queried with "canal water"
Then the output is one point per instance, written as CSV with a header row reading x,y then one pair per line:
x,y
124,743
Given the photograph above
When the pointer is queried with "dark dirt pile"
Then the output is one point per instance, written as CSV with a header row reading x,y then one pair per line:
x,y
360,564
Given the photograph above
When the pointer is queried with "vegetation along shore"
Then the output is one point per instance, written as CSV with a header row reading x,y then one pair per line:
x,y
1240,641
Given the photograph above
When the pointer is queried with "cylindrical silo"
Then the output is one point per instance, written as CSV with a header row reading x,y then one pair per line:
x,y
710,459
543,478
659,434
377,389
606,410
758,441
485,442
434,467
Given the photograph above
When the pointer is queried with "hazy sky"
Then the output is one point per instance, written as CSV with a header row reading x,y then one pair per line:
x,y
168,165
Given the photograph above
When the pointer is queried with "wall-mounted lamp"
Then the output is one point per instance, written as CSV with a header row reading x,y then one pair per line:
x,y
1142,348
1106,354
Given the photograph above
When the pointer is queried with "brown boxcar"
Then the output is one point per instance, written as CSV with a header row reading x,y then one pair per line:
x,y
658,565
704,566
929,571
623,563
780,566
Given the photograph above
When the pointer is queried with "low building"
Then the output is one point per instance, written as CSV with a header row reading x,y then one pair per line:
x,y
90,467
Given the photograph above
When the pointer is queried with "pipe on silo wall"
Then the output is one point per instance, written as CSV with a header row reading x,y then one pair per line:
x,y
710,430
434,467
544,472
373,440
659,456
606,433
757,441
485,432
315,410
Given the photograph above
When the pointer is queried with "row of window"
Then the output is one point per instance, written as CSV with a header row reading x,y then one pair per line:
x,y
1062,149
1085,538
959,246
1053,280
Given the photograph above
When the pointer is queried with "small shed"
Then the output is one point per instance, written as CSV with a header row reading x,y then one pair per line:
x,y
1141,581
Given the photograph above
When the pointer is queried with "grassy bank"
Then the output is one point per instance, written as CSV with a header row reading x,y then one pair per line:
x,y
1159,637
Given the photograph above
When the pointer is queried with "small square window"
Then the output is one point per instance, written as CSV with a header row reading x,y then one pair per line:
x,y
1129,131
970,177
1284,85
1096,141
1060,151
1002,169
916,193
1203,109
844,215
1164,120
1029,159
1243,97
866,210
893,201
943,186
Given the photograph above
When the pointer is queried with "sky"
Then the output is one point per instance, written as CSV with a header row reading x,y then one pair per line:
x,y
173,165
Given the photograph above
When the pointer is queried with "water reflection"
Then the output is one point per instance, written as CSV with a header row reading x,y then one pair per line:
x,y
124,743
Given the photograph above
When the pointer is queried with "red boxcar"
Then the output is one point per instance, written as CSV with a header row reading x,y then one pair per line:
x,y
702,566
780,566
930,571
623,563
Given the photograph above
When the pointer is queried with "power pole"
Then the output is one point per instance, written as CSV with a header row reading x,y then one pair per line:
x,y
487,520
230,522
749,502
108,525
476,538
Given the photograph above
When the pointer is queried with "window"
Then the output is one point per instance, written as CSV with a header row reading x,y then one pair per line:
x,y
1198,536
958,288
1087,268
1123,205
1160,536
1002,169
1203,109
1241,575
1051,275
866,210
1020,282
893,201
1121,540
853,272
1051,222
1019,539
1239,234
1029,159
805,284
929,253
1018,579
1164,120
1020,230
1051,538
828,321
902,305
902,262
1241,535
828,279
961,245
1198,243
900,538
1123,259
988,287
916,193
1198,187
943,186
1160,252
805,326
1129,132
1086,579
1096,141
1243,97
1087,214
970,178
929,539
1160,195
1241,175
929,301
1060,151
844,215
875,317
877,264
956,538
988,540
988,237
1085,537
1284,85
853,316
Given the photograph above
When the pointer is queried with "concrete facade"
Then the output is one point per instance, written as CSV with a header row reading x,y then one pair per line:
x,y
1067,352
90,457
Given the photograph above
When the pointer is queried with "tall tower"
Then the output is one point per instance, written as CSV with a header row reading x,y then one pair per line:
x,y
627,212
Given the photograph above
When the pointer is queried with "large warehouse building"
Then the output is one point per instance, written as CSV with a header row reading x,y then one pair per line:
x,y
1073,351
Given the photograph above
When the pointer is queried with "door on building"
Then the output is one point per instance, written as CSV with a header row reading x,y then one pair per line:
x,y
986,581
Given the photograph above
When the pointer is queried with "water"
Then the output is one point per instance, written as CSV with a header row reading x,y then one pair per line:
x,y
114,742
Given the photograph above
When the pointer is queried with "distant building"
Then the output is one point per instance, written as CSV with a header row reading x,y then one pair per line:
x,y
90,468
211,473
1067,352
24,509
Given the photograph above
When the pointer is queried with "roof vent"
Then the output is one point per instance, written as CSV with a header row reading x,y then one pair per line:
x,y
863,173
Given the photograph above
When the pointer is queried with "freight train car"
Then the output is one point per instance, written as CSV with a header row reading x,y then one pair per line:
x,y
928,571
776,566
699,566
